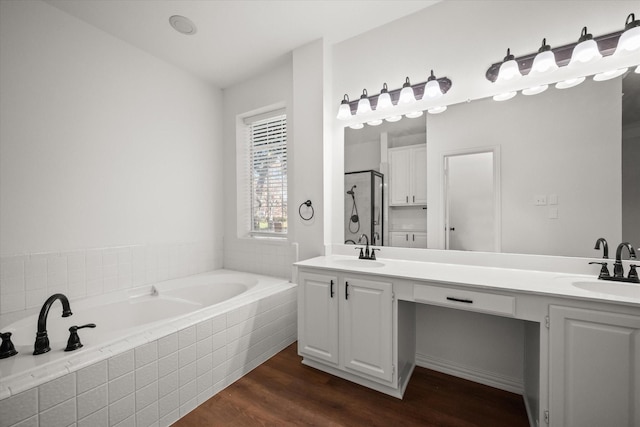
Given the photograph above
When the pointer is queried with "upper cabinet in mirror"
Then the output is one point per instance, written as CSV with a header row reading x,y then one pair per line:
x,y
545,174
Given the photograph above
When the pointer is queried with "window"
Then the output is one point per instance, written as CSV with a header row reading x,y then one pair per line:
x,y
267,140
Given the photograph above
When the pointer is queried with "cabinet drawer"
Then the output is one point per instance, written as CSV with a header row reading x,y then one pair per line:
x,y
465,300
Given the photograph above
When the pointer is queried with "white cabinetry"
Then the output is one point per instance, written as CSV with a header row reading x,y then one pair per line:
x,y
408,239
347,326
594,371
408,175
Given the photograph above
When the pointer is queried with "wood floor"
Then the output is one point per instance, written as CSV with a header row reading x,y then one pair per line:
x,y
283,392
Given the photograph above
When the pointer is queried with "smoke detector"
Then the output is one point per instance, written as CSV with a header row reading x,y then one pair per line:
x,y
183,25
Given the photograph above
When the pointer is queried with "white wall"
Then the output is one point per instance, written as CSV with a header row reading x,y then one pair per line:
x,y
102,145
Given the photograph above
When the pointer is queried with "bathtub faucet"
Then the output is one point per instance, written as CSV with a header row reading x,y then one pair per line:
x,y
42,339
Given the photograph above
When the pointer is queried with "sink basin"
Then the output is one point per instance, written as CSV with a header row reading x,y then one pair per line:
x,y
630,290
359,263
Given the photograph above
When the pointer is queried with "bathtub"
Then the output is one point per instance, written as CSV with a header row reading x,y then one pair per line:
x,y
127,320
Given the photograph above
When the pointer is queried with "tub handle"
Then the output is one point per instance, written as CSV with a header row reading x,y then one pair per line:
x,y
74,339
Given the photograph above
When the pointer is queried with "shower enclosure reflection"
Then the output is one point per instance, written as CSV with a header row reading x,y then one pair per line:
x,y
363,206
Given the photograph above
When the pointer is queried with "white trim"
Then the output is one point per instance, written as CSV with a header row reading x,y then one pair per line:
x,y
491,379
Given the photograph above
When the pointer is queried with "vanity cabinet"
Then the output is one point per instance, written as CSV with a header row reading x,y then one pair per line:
x,y
347,326
408,175
408,239
594,368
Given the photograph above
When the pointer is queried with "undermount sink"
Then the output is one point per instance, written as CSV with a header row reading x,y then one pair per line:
x,y
631,290
360,263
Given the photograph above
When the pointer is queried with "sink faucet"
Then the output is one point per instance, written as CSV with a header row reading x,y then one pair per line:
x,y
618,271
42,339
605,247
368,254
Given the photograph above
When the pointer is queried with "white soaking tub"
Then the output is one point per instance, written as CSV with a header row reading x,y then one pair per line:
x,y
127,320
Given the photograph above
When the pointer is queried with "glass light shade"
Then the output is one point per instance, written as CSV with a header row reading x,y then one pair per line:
x,y
393,119
406,95
364,106
566,84
584,52
629,41
544,62
414,114
437,110
357,126
432,89
535,90
344,112
374,122
508,70
608,75
504,96
384,101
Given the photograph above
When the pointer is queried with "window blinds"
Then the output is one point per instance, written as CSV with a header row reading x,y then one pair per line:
x,y
268,173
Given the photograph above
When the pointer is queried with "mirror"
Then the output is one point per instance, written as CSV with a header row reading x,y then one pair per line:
x,y
566,170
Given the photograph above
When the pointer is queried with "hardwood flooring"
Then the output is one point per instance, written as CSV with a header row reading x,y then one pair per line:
x,y
283,392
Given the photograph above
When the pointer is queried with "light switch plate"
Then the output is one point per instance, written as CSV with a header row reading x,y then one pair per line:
x,y
553,213
553,199
540,200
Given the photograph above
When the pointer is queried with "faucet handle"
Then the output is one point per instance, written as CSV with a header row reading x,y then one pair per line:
x,y
373,253
633,274
7,348
74,340
604,271
361,253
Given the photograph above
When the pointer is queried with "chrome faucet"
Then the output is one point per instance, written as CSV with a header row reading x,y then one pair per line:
x,y
368,253
42,339
604,271
618,270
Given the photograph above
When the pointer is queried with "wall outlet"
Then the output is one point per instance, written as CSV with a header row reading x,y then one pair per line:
x,y
540,200
553,199
553,213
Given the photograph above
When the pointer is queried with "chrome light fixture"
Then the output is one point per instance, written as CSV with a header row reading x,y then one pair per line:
x,y
545,60
586,50
432,88
509,68
344,111
406,94
630,39
384,99
364,106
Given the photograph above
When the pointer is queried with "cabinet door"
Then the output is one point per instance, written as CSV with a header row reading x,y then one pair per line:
x,y
419,176
399,239
318,316
367,316
418,240
594,368
399,175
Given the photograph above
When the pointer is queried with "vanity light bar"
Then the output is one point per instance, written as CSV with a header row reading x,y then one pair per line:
x,y
606,45
418,91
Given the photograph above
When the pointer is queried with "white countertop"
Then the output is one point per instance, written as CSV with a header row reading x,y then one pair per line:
x,y
525,281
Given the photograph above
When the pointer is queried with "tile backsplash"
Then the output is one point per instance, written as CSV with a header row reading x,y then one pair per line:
x,y
27,280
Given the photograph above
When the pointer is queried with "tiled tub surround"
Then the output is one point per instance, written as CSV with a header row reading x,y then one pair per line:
x,y
159,375
27,280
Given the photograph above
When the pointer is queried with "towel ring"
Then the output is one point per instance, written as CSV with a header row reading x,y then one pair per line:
x,y
307,204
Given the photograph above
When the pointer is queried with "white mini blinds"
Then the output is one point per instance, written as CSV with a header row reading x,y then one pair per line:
x,y
267,138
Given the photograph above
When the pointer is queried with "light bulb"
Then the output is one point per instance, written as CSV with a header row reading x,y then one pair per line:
x,y
509,68
504,96
586,50
608,75
393,119
414,114
406,94
374,122
566,84
356,126
364,106
534,90
432,88
344,111
545,60
384,99
629,41
437,110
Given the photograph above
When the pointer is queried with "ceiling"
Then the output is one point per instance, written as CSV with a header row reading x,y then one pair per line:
x,y
235,39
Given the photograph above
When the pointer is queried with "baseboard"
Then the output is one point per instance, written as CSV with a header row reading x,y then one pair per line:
x,y
491,379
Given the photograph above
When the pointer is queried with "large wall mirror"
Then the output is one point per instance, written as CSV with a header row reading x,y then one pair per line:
x,y
546,174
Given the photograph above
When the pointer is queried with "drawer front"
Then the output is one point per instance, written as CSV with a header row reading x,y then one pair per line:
x,y
465,300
